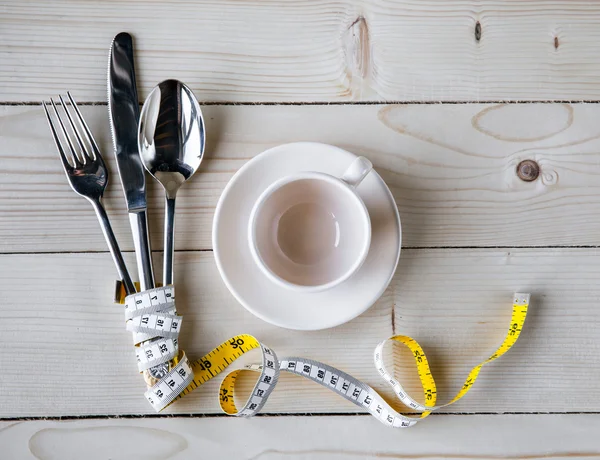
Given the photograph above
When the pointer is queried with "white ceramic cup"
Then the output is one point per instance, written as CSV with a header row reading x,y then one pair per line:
x,y
311,231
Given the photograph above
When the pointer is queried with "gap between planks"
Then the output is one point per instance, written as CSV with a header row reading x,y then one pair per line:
x,y
416,248
63,418
325,103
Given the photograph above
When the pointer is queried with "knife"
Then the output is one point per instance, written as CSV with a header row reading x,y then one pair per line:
x,y
124,114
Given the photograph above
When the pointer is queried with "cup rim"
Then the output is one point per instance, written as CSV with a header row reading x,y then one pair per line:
x,y
278,184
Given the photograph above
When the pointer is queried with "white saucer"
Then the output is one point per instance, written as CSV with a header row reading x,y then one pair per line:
x,y
278,305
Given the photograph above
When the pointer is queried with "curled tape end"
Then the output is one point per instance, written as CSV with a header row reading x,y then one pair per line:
x,y
521,298
121,293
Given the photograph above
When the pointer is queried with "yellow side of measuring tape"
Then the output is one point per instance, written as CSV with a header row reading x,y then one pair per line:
x,y
185,377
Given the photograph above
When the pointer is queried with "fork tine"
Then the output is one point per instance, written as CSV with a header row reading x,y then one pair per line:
x,y
88,133
83,148
61,152
76,159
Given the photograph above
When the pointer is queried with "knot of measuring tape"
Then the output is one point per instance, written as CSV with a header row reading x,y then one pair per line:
x,y
152,319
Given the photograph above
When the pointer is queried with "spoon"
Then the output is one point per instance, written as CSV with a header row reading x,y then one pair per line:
x,y
171,138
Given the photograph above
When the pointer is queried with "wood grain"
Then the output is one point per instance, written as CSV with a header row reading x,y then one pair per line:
x,y
451,168
455,304
383,50
483,437
65,350
80,359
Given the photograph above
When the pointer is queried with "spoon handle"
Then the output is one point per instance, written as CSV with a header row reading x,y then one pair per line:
x,y
169,241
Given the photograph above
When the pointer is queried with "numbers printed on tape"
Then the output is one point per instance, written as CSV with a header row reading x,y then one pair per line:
x,y
159,299
155,353
186,377
159,324
148,315
171,385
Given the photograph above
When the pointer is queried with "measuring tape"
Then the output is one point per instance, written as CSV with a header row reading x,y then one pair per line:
x,y
151,314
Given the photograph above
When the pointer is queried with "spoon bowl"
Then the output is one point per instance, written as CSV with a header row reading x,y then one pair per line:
x,y
171,139
171,134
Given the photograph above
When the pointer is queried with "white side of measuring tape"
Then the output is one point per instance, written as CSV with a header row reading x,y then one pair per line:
x,y
348,387
150,315
153,313
269,376
169,387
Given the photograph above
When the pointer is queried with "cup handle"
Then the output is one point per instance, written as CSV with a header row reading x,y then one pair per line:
x,y
357,171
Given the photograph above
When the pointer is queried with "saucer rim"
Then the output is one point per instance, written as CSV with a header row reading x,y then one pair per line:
x,y
339,320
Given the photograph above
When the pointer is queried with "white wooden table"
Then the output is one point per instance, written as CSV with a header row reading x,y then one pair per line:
x,y
345,73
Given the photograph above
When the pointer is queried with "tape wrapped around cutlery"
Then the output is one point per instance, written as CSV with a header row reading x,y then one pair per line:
x,y
152,314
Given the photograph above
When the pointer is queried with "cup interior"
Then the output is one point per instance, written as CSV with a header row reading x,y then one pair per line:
x,y
311,231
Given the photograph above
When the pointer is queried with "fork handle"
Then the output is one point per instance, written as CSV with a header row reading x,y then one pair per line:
x,y
113,246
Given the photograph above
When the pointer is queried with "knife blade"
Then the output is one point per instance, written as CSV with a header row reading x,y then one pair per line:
x,y
124,114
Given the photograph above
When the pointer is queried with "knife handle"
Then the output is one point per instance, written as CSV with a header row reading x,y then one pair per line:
x,y
141,243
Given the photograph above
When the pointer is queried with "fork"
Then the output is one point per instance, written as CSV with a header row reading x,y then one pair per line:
x,y
86,172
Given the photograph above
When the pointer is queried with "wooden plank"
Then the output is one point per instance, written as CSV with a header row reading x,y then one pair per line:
x,y
560,437
397,50
451,168
65,350
455,303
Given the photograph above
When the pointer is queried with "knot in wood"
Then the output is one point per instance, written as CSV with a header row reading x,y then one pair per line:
x,y
528,170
